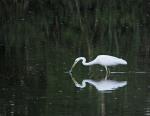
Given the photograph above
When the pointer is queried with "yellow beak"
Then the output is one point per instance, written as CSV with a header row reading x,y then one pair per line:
x,y
73,66
73,79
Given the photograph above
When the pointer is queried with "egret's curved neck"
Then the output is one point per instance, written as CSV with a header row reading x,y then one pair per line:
x,y
81,85
84,83
86,63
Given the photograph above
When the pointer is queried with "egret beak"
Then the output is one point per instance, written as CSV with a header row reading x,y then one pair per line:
x,y
73,79
73,66
75,82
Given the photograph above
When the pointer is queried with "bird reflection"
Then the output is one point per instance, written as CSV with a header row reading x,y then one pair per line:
x,y
102,85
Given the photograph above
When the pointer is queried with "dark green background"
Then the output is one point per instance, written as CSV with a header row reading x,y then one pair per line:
x,y
39,40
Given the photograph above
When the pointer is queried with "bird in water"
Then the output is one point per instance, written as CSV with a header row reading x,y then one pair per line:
x,y
103,60
102,85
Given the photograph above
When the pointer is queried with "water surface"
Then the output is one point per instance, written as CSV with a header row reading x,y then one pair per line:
x,y
39,42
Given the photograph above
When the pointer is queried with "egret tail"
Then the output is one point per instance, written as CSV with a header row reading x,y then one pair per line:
x,y
123,62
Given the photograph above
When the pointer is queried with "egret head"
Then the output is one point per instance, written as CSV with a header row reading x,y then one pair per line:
x,y
78,59
77,84
75,62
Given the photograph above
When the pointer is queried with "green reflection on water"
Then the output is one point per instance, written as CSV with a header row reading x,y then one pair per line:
x,y
40,40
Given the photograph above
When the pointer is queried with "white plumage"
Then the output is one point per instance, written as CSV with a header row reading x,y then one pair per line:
x,y
103,85
103,60
106,60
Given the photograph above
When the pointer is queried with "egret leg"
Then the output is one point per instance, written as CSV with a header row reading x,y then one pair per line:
x,y
106,70
106,76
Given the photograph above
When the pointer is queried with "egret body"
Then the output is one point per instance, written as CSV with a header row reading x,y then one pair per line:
x,y
103,60
103,85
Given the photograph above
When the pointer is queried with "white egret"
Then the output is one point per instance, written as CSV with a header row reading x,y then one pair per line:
x,y
103,85
103,60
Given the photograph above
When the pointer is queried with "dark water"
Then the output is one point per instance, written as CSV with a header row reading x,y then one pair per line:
x,y
39,42
45,91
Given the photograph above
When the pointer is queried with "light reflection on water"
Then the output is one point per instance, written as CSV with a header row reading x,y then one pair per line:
x,y
102,85
47,90
34,54
55,94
